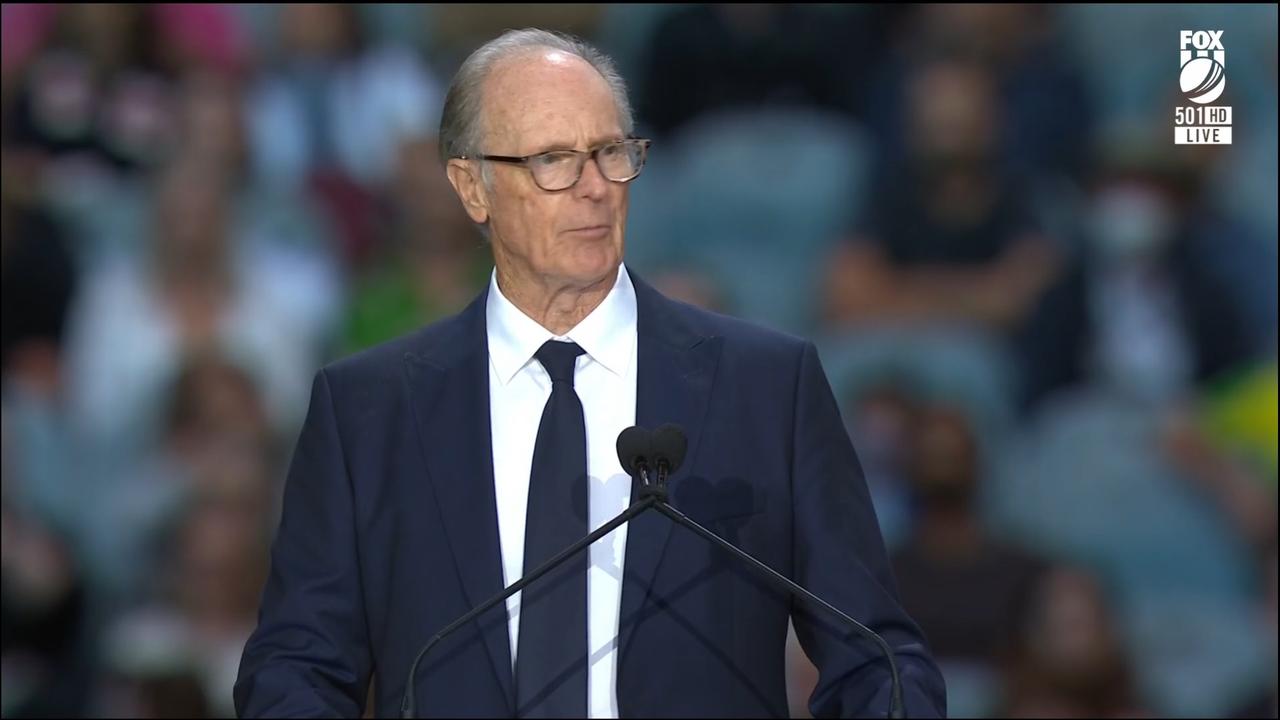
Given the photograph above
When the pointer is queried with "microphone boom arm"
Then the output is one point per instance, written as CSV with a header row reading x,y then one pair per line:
x,y
644,503
654,496
782,581
667,445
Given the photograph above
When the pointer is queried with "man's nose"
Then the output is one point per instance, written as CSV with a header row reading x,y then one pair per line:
x,y
592,184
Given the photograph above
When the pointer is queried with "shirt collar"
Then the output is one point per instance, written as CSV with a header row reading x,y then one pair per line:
x,y
607,334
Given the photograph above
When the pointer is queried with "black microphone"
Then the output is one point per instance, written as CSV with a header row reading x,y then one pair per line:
x,y
635,448
669,447
634,453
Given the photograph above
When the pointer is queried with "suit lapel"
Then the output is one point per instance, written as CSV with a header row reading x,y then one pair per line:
x,y
449,383
676,368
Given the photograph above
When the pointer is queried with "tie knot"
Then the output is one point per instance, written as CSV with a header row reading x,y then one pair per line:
x,y
558,358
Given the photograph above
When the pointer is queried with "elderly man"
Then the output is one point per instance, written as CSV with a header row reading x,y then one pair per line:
x,y
434,470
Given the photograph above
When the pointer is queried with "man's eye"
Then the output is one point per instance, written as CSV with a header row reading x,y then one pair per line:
x,y
552,159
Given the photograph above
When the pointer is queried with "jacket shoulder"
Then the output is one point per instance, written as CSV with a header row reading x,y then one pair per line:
x,y
741,336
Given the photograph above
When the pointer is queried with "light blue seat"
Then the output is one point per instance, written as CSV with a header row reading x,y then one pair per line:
x,y
756,200
1089,483
1197,656
948,365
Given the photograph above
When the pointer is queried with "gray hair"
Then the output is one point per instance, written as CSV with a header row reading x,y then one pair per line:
x,y
461,125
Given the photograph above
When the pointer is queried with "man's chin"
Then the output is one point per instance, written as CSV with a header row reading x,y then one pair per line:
x,y
595,271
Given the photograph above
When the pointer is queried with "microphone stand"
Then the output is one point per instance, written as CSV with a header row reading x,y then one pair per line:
x,y
658,493
654,495
639,506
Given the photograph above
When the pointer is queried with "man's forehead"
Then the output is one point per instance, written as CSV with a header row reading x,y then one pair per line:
x,y
540,64
547,98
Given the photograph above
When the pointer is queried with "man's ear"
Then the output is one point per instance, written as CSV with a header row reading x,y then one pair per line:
x,y
464,175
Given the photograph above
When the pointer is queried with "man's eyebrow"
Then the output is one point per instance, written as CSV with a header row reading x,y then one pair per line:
x,y
597,142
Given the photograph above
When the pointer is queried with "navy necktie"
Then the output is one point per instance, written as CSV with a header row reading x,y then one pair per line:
x,y
551,655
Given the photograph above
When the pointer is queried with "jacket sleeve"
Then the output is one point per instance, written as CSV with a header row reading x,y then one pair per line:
x,y
309,655
839,555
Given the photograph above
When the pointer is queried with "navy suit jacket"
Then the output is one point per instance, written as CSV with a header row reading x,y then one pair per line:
x,y
389,532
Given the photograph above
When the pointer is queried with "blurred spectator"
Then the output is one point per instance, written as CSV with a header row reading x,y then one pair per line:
x,y
968,591
95,81
279,227
211,121
333,99
182,650
216,410
195,290
1070,660
44,601
105,213
711,57
215,425
156,682
434,264
39,283
1177,290
952,240
331,110
42,650
221,568
1039,100
880,423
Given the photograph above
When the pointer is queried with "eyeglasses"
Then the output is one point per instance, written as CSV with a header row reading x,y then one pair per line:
x,y
619,161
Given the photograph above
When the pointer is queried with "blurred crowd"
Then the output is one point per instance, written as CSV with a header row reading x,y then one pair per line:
x,y
1052,331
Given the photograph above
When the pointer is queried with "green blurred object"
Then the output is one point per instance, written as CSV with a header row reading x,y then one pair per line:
x,y
1240,414
393,301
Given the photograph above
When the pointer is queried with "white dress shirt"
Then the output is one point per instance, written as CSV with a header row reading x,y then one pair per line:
x,y
605,381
